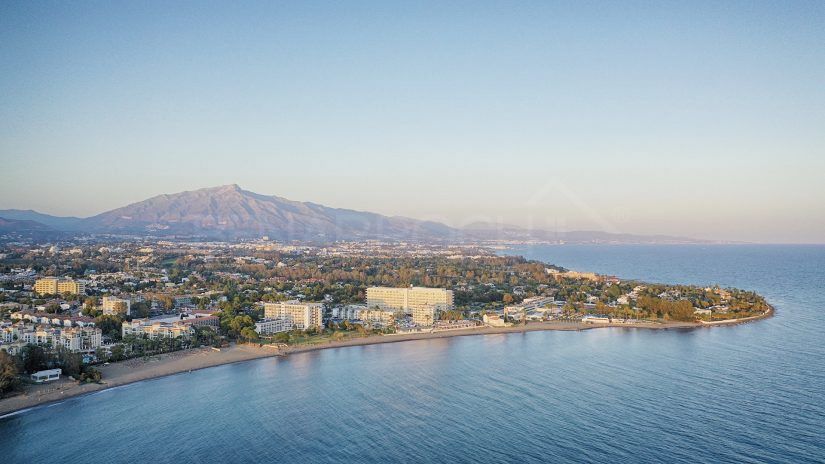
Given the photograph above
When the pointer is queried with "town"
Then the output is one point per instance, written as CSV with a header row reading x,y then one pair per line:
x,y
66,308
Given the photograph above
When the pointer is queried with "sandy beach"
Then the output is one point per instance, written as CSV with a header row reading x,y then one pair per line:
x,y
138,369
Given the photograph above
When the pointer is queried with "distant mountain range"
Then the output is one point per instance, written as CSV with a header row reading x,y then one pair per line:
x,y
229,212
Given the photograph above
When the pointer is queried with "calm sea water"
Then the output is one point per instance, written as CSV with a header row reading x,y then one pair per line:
x,y
750,393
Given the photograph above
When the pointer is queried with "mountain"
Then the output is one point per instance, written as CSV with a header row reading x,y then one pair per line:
x,y
55,222
229,212
500,231
22,225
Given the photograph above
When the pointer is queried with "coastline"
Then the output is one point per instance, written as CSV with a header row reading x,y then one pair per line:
x,y
141,369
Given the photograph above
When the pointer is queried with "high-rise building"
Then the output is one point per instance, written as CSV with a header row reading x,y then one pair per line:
x,y
302,315
421,302
55,286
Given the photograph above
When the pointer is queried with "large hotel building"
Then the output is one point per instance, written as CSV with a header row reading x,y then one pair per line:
x,y
301,315
421,302
55,286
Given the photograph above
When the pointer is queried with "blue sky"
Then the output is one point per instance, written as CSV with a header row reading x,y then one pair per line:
x,y
692,118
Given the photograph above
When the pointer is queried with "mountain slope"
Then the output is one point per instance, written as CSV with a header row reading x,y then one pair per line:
x,y
231,212
22,225
57,222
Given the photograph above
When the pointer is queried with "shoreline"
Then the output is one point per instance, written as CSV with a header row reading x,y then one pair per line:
x,y
141,369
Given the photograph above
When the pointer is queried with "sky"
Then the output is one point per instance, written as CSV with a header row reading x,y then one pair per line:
x,y
700,119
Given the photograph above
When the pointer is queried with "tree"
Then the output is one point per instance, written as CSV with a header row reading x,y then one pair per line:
x,y
90,375
507,298
8,373
140,309
118,353
249,333
34,358
53,308
90,303
110,325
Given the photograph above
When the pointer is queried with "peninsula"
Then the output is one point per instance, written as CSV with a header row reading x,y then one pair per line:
x,y
82,317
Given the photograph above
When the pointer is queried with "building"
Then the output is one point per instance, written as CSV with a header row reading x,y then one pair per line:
x,y
377,316
156,329
493,320
113,305
80,338
55,286
72,338
53,319
529,304
421,302
47,375
201,320
271,326
596,319
363,313
302,315
462,324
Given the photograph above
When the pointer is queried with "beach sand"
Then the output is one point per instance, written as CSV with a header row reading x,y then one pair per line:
x,y
135,370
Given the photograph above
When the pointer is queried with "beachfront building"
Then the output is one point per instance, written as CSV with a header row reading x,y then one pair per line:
x,y
301,315
422,303
363,313
157,329
46,376
377,316
463,324
55,286
348,312
113,305
529,304
271,326
493,320
596,319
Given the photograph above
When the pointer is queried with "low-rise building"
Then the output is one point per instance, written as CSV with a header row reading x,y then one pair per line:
x,y
156,329
46,376
589,319
112,305
76,339
80,338
493,320
271,326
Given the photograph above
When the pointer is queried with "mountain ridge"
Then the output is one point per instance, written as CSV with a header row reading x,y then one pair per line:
x,y
230,212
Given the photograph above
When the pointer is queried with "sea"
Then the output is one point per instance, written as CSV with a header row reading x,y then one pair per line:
x,y
753,392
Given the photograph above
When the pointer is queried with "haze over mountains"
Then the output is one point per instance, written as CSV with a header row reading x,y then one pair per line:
x,y
229,212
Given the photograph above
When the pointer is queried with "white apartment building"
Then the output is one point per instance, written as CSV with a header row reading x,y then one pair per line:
x,y
156,329
421,302
529,304
112,305
271,326
363,313
72,338
81,338
301,315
